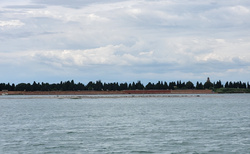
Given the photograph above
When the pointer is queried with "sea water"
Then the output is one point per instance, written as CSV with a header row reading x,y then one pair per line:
x,y
132,124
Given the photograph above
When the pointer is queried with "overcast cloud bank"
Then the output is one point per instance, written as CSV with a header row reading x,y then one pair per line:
x,y
54,40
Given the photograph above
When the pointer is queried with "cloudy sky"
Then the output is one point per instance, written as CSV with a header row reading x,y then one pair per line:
x,y
124,40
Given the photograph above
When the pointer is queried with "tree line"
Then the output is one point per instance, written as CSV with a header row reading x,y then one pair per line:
x,y
100,86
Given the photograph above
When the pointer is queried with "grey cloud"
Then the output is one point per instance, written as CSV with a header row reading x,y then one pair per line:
x,y
217,66
16,35
25,6
162,38
72,3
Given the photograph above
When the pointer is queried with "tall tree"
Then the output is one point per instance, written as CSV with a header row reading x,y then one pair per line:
x,y
189,85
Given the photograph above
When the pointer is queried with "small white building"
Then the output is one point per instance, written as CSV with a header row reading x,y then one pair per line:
x,y
4,92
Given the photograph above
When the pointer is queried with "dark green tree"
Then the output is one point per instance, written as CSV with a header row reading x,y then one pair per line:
x,y
199,85
90,86
189,85
139,85
172,85
98,86
218,84
165,86
149,86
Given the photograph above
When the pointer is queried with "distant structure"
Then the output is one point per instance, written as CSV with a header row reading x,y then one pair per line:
x,y
4,92
208,80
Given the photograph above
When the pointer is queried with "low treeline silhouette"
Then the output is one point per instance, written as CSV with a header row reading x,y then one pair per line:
x,y
100,86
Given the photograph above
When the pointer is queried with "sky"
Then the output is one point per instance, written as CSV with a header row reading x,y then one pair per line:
x,y
124,40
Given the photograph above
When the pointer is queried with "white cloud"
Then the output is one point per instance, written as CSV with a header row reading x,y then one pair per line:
x,y
11,23
109,55
241,10
150,53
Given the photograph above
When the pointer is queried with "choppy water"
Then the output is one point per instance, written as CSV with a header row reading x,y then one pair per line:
x,y
205,124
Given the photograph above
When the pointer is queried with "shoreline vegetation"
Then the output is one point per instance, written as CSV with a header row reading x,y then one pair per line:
x,y
231,90
99,88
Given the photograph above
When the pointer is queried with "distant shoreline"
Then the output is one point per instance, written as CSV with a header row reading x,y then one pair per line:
x,y
107,92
